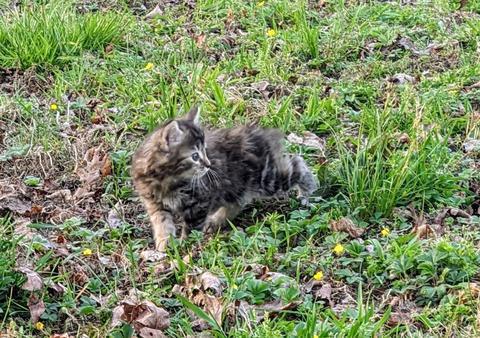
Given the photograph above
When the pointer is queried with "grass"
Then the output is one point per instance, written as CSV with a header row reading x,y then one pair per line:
x,y
77,76
54,34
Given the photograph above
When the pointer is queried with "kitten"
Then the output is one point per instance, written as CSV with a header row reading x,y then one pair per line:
x,y
190,178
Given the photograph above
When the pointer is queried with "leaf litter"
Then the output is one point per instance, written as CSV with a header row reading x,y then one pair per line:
x,y
147,319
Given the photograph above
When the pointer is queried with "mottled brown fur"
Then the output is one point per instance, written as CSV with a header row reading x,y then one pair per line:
x,y
190,179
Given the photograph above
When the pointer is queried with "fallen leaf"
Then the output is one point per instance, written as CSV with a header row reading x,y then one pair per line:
x,y
63,335
401,79
34,281
36,307
408,45
64,195
399,318
471,145
346,225
15,203
454,212
325,292
151,333
114,218
211,283
145,317
157,11
403,138
204,289
200,40
420,227
152,255
308,139
245,309
22,229
79,276
109,48
95,166
229,20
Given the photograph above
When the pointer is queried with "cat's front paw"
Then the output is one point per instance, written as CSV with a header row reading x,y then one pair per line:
x,y
210,227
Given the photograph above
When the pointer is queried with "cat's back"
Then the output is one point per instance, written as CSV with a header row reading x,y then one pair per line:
x,y
244,140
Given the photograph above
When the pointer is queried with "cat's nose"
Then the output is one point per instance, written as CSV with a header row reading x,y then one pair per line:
x,y
206,162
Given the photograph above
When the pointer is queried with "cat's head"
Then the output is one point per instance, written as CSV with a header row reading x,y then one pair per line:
x,y
177,147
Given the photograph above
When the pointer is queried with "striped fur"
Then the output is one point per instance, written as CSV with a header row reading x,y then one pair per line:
x,y
188,179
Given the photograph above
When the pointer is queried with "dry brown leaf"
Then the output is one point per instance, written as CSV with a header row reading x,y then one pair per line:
x,y
420,227
64,195
404,138
34,281
16,203
399,318
454,212
401,79
200,40
58,288
325,292
22,229
79,276
144,316
204,290
471,145
152,256
346,225
312,284
114,218
308,139
211,283
157,11
147,332
258,270
272,308
96,165
36,307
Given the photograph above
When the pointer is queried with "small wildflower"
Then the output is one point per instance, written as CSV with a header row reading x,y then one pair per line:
x,y
338,249
87,252
53,106
39,326
271,33
385,232
235,286
149,66
261,4
315,336
318,275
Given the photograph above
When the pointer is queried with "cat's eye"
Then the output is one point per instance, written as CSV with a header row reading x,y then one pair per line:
x,y
195,157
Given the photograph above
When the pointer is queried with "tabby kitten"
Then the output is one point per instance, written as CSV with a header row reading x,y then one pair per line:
x,y
190,178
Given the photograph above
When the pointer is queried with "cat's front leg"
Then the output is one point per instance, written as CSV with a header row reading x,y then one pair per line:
x,y
163,226
216,219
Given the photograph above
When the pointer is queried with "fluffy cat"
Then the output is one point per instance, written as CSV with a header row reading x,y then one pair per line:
x,y
190,178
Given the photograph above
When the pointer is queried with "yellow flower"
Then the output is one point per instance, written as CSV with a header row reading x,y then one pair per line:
x,y
53,106
87,252
385,232
149,66
315,336
261,4
338,249
318,275
271,32
234,286
39,326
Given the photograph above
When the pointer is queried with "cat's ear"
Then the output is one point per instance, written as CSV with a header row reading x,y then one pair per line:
x,y
172,135
193,115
